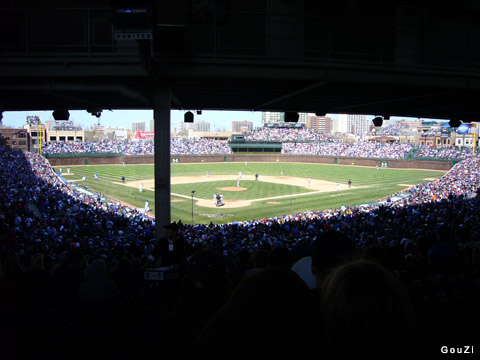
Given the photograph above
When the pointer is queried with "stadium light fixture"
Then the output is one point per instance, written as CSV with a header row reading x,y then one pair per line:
x,y
386,117
377,121
454,123
320,113
199,112
61,115
95,112
291,117
188,117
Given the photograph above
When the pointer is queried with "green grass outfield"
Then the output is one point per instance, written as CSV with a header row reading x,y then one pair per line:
x,y
370,184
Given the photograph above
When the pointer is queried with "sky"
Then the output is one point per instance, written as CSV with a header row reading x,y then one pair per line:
x,y
124,118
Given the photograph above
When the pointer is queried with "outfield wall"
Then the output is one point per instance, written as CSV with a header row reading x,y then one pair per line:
x,y
392,163
104,160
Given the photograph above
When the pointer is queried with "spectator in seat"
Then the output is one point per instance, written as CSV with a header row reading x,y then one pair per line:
x,y
259,260
170,250
67,279
329,250
38,282
281,256
13,271
203,291
365,312
99,322
97,288
268,316
11,300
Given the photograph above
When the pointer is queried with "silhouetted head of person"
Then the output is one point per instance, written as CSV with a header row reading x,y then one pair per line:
x,y
205,280
268,315
97,270
36,262
330,249
281,256
365,311
378,254
261,258
74,258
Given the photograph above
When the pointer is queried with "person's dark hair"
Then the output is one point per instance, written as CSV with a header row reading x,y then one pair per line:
x,y
269,315
261,258
366,306
445,233
378,254
205,278
330,249
281,256
74,257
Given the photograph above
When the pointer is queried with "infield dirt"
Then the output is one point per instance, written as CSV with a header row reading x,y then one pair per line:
x,y
286,180
315,186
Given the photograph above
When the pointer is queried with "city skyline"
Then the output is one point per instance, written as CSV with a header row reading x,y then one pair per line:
x,y
125,118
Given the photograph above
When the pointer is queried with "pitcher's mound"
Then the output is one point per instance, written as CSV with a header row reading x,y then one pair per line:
x,y
233,189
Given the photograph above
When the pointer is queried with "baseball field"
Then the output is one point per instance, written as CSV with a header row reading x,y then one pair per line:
x,y
301,187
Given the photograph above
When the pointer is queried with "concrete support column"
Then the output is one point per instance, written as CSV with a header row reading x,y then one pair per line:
x,y
161,116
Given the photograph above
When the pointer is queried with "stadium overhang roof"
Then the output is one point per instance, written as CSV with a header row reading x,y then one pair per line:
x,y
305,56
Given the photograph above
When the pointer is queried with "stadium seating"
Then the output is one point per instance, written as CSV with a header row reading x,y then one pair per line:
x,y
430,241
294,141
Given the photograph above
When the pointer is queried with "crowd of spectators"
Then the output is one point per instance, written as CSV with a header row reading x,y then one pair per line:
x,y
391,130
208,146
144,147
284,134
294,141
102,146
80,261
199,147
453,152
358,149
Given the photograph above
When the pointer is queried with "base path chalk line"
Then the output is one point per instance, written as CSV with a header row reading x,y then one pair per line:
x,y
294,195
272,197
186,196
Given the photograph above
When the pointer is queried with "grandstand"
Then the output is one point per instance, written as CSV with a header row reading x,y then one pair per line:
x,y
84,276
123,237
297,143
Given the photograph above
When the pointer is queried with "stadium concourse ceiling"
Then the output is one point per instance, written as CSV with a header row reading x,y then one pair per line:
x,y
360,57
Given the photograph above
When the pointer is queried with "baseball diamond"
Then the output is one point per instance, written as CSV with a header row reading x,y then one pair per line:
x,y
272,195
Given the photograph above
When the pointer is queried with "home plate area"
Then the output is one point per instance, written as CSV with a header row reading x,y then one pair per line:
x,y
316,186
228,204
